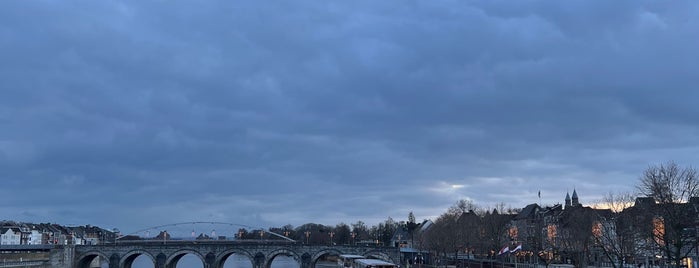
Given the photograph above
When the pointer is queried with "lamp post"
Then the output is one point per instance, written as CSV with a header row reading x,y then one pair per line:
x,y
308,234
331,237
262,233
353,234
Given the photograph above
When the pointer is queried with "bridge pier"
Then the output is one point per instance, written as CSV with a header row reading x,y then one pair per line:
x,y
306,261
210,260
114,261
160,260
259,261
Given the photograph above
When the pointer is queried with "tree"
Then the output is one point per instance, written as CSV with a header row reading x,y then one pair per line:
x,y
342,234
671,187
455,230
383,232
361,231
411,225
669,184
613,230
314,234
575,234
471,232
496,232
462,206
442,237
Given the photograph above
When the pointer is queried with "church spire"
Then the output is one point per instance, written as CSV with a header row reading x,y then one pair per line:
x,y
576,202
567,200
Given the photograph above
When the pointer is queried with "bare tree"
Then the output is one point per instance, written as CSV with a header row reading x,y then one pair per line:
x,y
443,237
669,184
671,187
341,234
360,231
496,232
576,234
613,231
462,206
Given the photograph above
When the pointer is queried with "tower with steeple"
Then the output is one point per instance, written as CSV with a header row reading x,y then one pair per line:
x,y
572,202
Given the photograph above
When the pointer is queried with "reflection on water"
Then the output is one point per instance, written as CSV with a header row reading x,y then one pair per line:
x,y
234,261
240,261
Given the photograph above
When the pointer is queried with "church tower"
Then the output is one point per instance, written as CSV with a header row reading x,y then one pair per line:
x,y
567,201
576,203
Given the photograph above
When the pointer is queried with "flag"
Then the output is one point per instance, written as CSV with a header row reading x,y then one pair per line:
x,y
504,250
519,247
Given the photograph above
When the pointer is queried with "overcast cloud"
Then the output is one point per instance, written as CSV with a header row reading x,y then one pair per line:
x,y
131,114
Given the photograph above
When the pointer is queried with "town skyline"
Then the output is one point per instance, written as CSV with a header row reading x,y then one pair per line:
x,y
479,208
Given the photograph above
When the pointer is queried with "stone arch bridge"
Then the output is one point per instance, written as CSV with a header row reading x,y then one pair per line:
x,y
213,254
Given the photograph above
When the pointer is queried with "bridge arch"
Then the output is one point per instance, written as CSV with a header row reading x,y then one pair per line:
x,y
282,251
84,260
320,253
379,255
223,256
128,258
175,257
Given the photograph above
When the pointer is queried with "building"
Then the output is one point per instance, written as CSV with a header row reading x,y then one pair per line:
x,y
10,236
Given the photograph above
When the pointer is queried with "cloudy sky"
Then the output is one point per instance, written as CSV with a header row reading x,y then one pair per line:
x,y
132,114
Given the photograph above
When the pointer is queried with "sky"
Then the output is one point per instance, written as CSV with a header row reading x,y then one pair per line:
x,y
132,114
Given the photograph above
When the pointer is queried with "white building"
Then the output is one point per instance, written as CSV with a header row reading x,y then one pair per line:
x,y
10,236
34,238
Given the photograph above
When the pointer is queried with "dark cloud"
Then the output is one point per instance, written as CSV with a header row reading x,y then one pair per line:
x,y
134,113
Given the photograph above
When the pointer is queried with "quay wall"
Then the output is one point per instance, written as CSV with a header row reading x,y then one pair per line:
x,y
33,257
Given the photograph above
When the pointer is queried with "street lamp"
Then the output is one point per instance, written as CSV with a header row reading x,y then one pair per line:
x,y
331,237
308,234
262,233
353,236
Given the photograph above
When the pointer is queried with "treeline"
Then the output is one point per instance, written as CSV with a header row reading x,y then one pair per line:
x,y
340,234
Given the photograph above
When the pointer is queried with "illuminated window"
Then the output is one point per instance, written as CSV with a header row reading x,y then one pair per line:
x,y
513,232
551,233
659,230
597,229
